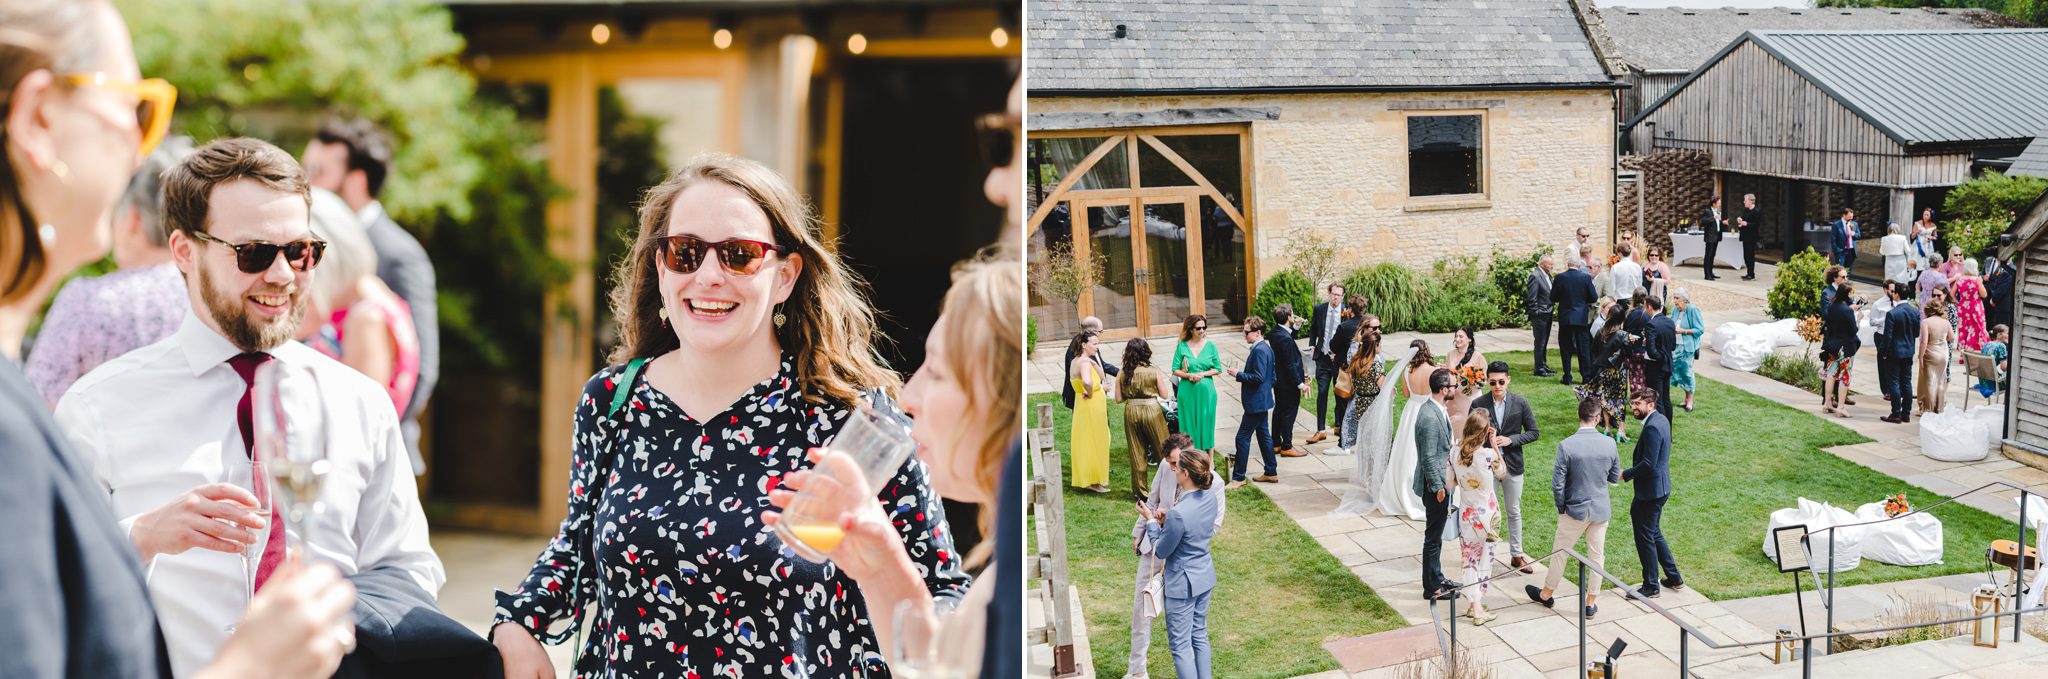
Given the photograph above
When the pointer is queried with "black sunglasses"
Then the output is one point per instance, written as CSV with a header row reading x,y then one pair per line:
x,y
1373,328
1497,383
998,135
740,257
255,256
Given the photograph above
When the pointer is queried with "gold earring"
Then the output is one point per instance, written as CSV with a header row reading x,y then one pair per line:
x,y
779,318
663,313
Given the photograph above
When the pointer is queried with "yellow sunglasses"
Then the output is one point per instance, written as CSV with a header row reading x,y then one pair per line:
x,y
152,114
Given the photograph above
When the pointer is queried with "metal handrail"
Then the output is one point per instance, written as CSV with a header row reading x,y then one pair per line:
x,y
1687,631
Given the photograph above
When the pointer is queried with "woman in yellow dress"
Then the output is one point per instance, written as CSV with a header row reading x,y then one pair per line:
x,y
1089,432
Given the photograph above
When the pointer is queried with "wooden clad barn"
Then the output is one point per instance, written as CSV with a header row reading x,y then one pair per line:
x,y
2026,415
2034,162
1659,46
1882,121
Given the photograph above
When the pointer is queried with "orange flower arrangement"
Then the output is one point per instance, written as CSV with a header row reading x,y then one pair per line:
x,y
1470,377
1896,506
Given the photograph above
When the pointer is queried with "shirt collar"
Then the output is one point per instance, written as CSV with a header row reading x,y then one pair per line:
x,y
205,349
371,213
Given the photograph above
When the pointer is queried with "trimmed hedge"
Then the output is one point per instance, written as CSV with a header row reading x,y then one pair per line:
x,y
1796,294
1288,286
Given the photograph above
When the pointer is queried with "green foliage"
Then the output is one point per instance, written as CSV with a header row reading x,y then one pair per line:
x,y
1796,292
1459,295
2031,11
1288,286
1394,293
1030,333
465,177
1993,196
1799,372
1510,276
1975,235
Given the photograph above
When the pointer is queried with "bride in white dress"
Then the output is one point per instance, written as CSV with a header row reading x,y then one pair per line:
x,y
1383,469
1395,495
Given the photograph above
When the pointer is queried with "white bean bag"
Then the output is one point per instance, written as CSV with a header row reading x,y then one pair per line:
x,y
1816,516
1743,347
1954,436
1911,540
1993,417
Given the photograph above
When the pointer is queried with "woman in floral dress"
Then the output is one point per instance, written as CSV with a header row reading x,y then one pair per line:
x,y
1474,469
1969,307
743,344
1610,373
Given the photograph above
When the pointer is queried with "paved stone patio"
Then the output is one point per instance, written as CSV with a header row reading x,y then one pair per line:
x,y
1530,641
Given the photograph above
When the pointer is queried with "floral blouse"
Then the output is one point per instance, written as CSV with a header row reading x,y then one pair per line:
x,y
688,582
94,320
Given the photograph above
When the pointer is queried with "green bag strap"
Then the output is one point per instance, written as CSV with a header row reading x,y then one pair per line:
x,y
621,393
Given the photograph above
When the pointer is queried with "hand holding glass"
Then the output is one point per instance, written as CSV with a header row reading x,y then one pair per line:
x,y
855,465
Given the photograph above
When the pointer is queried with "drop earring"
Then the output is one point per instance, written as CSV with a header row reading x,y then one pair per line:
x,y
664,316
779,318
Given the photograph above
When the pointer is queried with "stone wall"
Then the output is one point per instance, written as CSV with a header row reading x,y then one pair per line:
x,y
1336,165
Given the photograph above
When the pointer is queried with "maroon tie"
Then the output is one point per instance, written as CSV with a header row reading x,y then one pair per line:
x,y
273,547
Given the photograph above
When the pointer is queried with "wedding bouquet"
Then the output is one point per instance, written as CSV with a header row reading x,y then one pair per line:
x,y
1896,506
1470,377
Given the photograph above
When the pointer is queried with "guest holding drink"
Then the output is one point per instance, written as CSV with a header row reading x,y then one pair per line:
x,y
1657,275
1140,387
1893,248
1610,383
1367,375
78,119
1088,432
1514,426
1840,342
744,343
1196,363
1933,357
1924,234
1691,326
1474,469
1180,537
1969,307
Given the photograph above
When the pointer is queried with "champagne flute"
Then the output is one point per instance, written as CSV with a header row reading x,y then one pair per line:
x,y
294,451
248,474
936,643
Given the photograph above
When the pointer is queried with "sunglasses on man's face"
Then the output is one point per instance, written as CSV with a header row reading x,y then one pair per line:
x,y
257,256
998,135
740,257
1498,383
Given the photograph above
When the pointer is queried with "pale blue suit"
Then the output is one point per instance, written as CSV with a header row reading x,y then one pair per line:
x,y
1189,577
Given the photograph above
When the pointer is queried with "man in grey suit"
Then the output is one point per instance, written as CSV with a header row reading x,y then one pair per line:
x,y
1587,463
1433,454
352,158
1540,312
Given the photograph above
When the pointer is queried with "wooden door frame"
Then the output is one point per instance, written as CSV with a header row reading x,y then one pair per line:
x,y
1137,195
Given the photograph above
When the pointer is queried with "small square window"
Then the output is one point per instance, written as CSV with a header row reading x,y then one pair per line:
x,y
1446,156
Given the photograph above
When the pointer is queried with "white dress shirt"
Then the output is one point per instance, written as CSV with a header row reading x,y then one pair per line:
x,y
1628,277
160,421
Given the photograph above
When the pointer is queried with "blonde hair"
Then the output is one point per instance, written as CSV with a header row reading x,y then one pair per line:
x,y
35,35
1474,437
982,326
830,328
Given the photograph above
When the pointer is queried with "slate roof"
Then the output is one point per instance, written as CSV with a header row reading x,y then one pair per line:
x,y
1918,87
2034,161
1680,39
1238,45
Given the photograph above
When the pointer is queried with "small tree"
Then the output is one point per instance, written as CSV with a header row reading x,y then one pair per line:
x,y
1510,276
1064,276
1315,258
1796,294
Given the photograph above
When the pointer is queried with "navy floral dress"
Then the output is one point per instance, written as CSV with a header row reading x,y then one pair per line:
x,y
687,581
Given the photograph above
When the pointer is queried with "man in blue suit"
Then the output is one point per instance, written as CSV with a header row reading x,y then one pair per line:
x,y
1571,298
1652,476
1843,239
1661,335
1895,351
1255,383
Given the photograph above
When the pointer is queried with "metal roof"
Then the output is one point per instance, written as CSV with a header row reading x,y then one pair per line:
x,y
1917,87
1237,45
1679,39
2034,162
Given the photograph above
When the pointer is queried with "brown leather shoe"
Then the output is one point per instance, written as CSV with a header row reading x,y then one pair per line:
x,y
1317,437
1521,564
1268,478
1291,452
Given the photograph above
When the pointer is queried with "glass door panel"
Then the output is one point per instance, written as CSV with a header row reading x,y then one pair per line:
x,y
1165,275
1109,242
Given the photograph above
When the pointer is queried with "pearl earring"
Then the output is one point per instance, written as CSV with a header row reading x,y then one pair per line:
x,y
63,172
48,232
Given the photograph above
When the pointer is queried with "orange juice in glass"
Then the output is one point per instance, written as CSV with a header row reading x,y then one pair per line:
x,y
877,440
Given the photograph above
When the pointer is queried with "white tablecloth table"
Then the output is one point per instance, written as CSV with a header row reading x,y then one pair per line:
x,y
1689,246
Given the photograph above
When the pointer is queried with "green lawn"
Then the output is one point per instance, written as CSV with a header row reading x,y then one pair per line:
x,y
1736,458
1281,595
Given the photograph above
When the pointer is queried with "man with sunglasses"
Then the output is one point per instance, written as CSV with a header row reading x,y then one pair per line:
x,y
1514,426
352,159
167,428
1255,383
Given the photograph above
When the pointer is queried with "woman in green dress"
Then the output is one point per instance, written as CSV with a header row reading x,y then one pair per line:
x,y
1195,362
